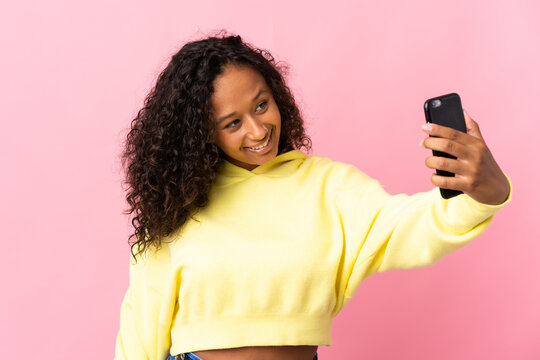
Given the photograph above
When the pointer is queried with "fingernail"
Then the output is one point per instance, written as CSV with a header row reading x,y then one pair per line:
x,y
426,127
421,143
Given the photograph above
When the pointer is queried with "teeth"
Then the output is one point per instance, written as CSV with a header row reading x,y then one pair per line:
x,y
260,147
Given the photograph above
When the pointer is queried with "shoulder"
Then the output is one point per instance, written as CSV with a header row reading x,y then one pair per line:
x,y
323,164
151,267
337,174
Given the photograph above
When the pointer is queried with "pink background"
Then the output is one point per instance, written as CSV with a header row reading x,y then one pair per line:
x,y
74,74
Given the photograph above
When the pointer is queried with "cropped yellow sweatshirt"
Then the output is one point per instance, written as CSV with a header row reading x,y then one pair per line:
x,y
278,252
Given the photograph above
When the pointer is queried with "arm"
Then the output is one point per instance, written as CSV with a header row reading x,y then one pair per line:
x,y
384,232
389,232
128,340
148,308
128,343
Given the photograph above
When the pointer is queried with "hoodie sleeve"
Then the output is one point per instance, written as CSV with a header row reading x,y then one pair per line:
x,y
383,232
147,309
129,344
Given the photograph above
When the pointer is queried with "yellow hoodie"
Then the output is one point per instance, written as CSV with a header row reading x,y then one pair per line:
x,y
277,254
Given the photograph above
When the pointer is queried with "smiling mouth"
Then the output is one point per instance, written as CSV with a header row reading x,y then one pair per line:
x,y
264,145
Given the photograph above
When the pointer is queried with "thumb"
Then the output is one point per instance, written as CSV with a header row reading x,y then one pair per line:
x,y
472,126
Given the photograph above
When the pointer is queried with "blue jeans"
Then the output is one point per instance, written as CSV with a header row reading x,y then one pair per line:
x,y
191,355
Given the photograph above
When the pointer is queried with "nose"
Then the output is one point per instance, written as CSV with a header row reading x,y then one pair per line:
x,y
256,131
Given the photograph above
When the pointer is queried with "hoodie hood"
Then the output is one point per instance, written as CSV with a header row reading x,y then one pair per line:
x,y
282,165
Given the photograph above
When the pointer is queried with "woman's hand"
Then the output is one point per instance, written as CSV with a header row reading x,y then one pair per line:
x,y
477,173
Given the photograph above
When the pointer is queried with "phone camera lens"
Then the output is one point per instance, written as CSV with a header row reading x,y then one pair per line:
x,y
435,103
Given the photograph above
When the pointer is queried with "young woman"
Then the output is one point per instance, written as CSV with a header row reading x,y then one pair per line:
x,y
246,247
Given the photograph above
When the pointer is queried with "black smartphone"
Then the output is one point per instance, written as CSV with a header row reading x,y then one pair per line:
x,y
446,110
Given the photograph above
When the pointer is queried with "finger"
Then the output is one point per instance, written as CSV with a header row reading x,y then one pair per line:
x,y
447,182
445,145
446,132
472,126
451,165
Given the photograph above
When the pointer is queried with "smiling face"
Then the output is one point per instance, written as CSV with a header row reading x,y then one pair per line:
x,y
246,117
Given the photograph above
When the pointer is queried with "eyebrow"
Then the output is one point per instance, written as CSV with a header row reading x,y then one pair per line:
x,y
231,114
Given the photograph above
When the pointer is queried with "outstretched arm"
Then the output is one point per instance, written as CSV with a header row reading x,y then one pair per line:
x,y
383,232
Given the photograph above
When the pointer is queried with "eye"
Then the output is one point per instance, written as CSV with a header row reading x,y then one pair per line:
x,y
232,122
230,125
263,103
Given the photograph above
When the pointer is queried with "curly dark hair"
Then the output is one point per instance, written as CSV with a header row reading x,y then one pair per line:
x,y
170,157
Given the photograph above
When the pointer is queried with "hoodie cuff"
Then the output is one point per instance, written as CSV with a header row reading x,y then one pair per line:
x,y
462,212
